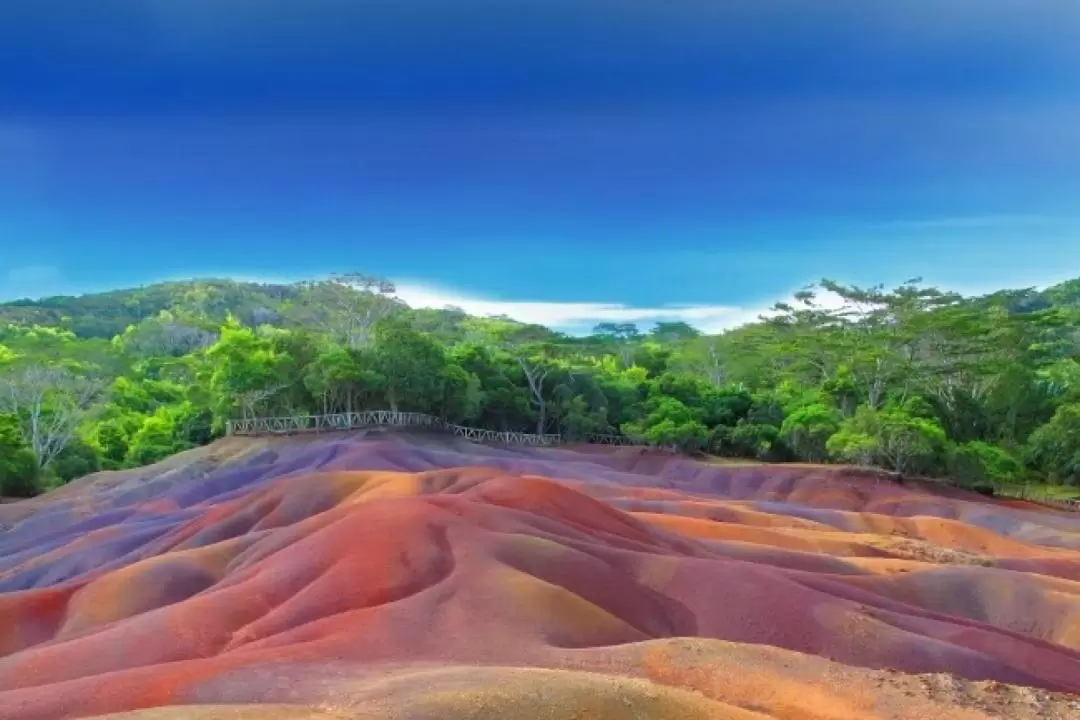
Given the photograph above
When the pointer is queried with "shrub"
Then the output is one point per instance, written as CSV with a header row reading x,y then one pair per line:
x,y
18,470
1054,448
808,428
78,458
979,463
749,440
670,423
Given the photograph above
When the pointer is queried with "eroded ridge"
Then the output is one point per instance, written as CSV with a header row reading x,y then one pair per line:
x,y
421,577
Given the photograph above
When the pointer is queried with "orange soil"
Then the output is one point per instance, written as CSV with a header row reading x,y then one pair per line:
x,y
420,578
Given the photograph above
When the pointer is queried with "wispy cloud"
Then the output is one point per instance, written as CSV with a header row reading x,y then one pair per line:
x,y
582,316
577,317
572,317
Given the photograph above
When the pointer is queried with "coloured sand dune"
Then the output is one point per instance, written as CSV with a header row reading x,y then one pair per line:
x,y
412,576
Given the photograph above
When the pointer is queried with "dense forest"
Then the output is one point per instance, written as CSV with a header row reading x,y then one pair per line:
x,y
982,391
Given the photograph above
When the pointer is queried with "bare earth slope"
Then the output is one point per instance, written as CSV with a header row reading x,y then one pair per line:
x,y
390,576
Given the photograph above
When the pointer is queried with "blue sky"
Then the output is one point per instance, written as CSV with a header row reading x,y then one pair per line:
x,y
579,160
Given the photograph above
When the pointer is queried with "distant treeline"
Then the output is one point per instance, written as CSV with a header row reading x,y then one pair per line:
x,y
985,391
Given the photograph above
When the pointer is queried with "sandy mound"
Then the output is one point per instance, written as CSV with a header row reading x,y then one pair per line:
x,y
417,577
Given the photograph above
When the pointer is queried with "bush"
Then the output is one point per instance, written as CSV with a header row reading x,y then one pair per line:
x,y
670,423
979,463
18,470
749,440
808,428
898,438
77,459
851,445
159,437
1054,448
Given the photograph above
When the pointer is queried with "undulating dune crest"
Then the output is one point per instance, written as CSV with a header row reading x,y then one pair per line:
x,y
416,576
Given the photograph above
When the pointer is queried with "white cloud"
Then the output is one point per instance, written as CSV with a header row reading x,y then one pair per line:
x,y
584,315
565,316
573,317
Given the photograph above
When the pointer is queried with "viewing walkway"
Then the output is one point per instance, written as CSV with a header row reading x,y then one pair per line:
x,y
297,424
291,425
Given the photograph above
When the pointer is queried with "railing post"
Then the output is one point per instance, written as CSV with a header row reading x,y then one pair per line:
x,y
387,418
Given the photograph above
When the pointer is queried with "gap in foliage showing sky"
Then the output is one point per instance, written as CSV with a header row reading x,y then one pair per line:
x,y
561,162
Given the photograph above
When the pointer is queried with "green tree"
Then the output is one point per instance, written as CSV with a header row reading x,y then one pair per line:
x,y
1054,448
346,307
18,469
462,397
808,428
159,436
895,437
343,380
670,422
50,404
854,444
412,364
908,377
78,458
245,371
978,464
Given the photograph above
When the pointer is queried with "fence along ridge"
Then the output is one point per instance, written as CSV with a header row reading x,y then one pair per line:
x,y
292,424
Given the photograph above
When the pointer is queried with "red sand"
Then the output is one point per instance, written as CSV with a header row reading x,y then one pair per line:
x,y
641,586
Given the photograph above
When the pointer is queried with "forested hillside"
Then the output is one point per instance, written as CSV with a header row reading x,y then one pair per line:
x,y
984,391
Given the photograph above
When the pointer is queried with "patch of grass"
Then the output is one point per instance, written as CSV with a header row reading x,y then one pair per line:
x,y
717,460
1039,491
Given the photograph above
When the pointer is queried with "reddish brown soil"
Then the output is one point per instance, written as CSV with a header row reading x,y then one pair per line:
x,y
418,578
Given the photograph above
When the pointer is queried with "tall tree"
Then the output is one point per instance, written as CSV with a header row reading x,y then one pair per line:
x,y
49,403
346,306
620,336
245,371
412,365
533,352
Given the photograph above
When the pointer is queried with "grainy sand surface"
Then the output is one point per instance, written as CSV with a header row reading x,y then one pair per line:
x,y
413,577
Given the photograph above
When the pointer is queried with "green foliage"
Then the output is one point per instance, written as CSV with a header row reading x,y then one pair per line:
x,y
78,458
911,379
749,439
1054,448
413,365
106,315
896,437
808,428
977,464
342,379
159,436
245,372
18,469
853,444
670,422
462,395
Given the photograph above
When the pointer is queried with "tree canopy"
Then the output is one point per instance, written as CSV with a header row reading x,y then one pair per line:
x,y
983,391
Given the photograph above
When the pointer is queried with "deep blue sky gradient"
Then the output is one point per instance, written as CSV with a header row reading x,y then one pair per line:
x,y
647,153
